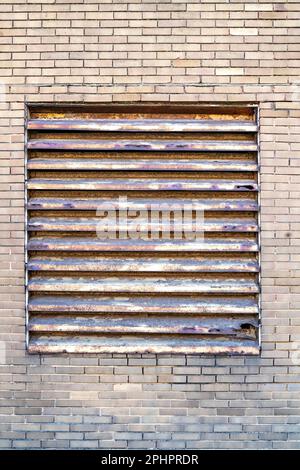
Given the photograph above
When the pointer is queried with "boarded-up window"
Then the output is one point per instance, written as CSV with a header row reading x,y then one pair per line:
x,y
142,229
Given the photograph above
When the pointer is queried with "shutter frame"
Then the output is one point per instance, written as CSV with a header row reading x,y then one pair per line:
x,y
84,295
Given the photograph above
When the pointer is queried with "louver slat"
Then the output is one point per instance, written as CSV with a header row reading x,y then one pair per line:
x,y
240,328
212,305
152,164
137,125
130,294
89,204
90,225
153,145
143,185
142,284
137,344
144,264
95,244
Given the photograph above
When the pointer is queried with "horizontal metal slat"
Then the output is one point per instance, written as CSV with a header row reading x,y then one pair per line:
x,y
143,344
144,264
122,184
240,328
76,224
143,284
81,203
95,244
154,145
241,305
143,125
128,164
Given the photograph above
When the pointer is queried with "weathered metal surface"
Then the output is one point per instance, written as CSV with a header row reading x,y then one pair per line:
x,y
180,164
90,204
143,284
60,224
142,125
115,263
132,344
240,328
119,184
96,244
91,295
154,304
153,145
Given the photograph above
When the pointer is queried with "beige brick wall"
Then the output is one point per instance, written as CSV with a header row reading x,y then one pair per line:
x,y
155,50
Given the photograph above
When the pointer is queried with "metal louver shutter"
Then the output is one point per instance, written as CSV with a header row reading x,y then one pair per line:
x,y
90,295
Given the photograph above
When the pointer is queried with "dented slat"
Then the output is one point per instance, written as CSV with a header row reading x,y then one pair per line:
x,y
94,303
153,145
135,344
142,125
120,184
142,284
143,164
240,328
96,244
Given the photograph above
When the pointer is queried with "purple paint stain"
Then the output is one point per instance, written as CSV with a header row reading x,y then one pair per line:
x,y
40,245
34,267
245,246
187,329
138,147
178,146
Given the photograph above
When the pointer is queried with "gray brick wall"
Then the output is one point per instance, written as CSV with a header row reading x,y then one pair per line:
x,y
91,51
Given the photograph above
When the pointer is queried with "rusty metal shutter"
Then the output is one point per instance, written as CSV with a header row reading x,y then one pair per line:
x,y
125,296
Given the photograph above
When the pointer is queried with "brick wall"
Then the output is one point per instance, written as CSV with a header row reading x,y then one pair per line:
x,y
155,50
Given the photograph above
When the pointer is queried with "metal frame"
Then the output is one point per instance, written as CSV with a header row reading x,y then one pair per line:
x,y
29,105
